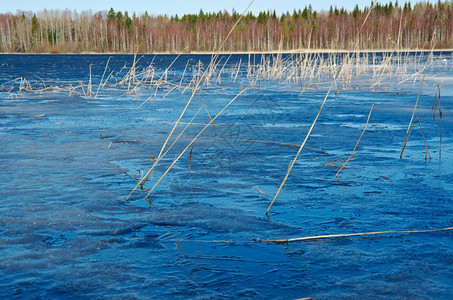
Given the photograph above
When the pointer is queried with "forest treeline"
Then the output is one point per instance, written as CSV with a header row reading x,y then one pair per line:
x,y
390,26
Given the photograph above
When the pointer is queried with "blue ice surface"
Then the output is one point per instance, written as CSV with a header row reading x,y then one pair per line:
x,y
69,159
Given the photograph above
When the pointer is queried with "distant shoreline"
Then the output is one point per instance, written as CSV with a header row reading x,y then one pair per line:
x,y
299,51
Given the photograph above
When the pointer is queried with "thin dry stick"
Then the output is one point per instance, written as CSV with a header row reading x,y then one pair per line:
x,y
357,144
317,237
306,138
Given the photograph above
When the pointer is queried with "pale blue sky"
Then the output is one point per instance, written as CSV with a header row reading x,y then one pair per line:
x,y
172,7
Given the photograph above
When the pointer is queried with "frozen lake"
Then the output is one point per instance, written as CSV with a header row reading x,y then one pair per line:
x,y
73,146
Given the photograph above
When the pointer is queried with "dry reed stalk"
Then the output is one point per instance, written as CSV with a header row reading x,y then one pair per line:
x,y
414,76
150,72
183,74
436,104
249,67
357,144
72,89
237,72
126,172
188,86
143,181
209,71
329,236
81,87
89,92
406,138
222,69
132,73
12,96
423,135
144,102
421,130
334,163
171,90
311,238
38,116
107,79
330,164
202,124
261,192
212,121
102,78
25,86
440,141
303,143
135,90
